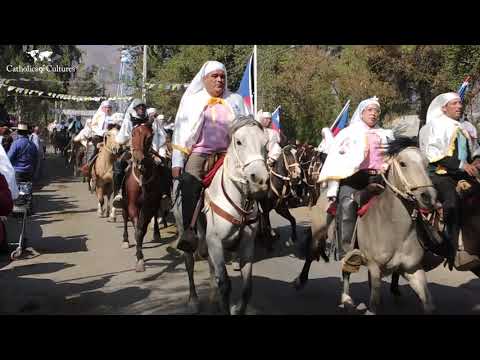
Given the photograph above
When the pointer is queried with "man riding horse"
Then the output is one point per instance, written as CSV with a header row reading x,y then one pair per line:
x,y
99,124
353,163
273,145
450,151
205,114
136,115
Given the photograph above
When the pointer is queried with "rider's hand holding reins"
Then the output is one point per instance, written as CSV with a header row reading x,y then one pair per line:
x,y
471,169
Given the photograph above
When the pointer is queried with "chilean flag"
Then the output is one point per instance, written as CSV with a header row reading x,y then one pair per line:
x,y
276,119
463,88
341,121
246,88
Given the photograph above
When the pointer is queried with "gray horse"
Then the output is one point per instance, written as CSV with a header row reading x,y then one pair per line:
x,y
387,235
229,220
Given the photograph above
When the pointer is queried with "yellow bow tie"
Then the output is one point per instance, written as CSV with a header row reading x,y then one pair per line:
x,y
214,101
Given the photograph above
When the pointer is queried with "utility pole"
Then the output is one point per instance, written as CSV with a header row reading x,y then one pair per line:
x,y
144,88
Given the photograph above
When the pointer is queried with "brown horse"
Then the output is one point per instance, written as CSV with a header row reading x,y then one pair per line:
x,y
284,175
147,184
102,173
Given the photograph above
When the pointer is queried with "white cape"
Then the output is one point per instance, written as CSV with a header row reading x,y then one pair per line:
x,y
8,171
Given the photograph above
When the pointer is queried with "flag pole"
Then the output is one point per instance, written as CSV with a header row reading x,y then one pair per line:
x,y
339,115
255,95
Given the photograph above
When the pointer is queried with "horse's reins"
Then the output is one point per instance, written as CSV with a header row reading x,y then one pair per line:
x,y
244,213
284,179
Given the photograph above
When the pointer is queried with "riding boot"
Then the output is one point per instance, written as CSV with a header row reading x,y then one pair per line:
x,y
118,178
191,190
345,223
451,234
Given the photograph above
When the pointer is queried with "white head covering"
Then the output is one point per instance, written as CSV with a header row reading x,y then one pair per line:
x,y
151,111
197,83
357,115
106,103
117,119
266,114
434,112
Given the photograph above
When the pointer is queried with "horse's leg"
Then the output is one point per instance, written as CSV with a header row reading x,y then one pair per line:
x,y
125,243
192,303
216,254
246,254
282,209
99,192
300,282
346,300
375,288
156,229
418,282
302,279
394,289
140,230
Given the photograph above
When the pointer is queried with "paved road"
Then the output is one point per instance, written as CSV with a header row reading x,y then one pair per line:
x,y
80,268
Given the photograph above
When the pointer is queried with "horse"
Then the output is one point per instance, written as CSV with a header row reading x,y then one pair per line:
x,y
146,187
388,236
102,173
60,141
77,157
284,176
229,218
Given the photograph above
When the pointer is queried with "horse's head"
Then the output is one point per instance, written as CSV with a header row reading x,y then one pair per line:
x,y
110,142
142,137
248,150
290,165
408,172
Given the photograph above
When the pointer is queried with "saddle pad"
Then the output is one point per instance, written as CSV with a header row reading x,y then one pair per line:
x,y
207,180
332,210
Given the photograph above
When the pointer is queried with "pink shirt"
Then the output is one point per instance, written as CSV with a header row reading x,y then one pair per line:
x,y
374,157
214,135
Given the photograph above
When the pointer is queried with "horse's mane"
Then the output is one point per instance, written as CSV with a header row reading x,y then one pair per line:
x,y
242,121
400,143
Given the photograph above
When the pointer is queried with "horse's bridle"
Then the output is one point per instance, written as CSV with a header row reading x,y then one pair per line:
x,y
135,165
407,192
285,179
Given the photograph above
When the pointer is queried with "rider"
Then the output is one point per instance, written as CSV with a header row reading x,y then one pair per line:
x,y
273,145
159,135
206,111
449,149
23,155
75,127
135,115
98,126
353,163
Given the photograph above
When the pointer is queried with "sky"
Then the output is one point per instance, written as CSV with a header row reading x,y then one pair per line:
x,y
106,57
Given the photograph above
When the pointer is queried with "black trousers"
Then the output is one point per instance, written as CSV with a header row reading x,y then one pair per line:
x,y
23,176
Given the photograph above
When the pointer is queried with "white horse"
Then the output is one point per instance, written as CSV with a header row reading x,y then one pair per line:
x,y
229,220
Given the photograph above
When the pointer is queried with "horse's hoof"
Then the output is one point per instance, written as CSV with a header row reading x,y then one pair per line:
x,y
298,284
112,219
236,310
347,302
140,267
193,306
125,245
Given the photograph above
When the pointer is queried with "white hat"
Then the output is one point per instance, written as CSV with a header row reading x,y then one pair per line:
x,y
161,117
266,114
22,127
117,118
151,111
106,103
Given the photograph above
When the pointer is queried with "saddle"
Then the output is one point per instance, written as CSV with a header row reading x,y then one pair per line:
x,y
213,163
